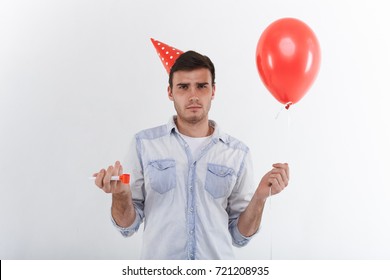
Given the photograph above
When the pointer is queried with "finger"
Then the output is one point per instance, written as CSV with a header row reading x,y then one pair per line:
x,y
285,177
99,178
285,171
280,165
107,178
286,167
274,186
116,172
277,182
278,179
116,168
120,170
282,172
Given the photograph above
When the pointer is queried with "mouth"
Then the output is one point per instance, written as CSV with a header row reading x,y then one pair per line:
x,y
194,107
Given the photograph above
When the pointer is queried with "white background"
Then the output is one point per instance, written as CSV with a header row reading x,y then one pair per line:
x,y
78,78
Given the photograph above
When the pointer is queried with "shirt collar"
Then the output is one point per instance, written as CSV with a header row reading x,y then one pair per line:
x,y
217,134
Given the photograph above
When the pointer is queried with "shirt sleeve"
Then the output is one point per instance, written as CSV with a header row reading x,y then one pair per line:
x,y
240,198
129,231
133,164
239,240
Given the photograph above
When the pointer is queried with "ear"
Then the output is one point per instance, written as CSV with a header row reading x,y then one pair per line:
x,y
170,95
213,92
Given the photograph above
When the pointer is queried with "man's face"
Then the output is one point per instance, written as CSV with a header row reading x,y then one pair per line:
x,y
191,93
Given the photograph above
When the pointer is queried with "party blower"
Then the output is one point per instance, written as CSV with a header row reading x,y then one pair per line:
x,y
124,178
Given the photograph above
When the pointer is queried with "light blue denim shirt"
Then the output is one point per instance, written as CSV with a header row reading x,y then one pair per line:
x,y
189,206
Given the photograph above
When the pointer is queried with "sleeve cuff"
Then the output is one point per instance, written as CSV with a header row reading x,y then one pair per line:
x,y
128,231
239,240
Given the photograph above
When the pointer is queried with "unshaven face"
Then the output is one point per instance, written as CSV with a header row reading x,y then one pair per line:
x,y
191,93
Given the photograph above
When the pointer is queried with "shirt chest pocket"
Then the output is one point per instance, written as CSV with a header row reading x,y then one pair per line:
x,y
162,175
218,180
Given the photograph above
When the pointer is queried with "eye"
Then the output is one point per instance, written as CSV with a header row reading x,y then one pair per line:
x,y
182,86
202,86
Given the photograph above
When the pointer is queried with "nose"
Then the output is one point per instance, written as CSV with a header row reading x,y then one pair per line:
x,y
194,98
193,95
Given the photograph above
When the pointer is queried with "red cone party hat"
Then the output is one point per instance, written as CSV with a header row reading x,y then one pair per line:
x,y
167,54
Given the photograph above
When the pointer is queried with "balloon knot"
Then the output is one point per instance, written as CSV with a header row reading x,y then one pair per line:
x,y
288,105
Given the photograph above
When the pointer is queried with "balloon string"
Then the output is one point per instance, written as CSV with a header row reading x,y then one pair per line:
x,y
288,144
277,115
288,135
270,223
286,106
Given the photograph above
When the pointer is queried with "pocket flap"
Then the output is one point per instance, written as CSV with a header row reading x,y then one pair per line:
x,y
219,170
163,164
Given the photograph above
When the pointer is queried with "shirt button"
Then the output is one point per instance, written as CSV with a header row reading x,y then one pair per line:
x,y
191,209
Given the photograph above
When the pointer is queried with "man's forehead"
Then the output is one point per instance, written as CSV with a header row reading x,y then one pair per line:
x,y
201,75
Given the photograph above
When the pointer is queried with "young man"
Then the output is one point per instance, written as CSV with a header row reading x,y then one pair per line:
x,y
192,184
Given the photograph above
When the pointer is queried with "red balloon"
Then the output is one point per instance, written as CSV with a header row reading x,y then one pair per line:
x,y
288,59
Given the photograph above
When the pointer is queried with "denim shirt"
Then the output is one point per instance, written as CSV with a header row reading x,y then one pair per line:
x,y
189,206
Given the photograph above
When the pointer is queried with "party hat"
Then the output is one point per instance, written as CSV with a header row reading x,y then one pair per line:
x,y
167,54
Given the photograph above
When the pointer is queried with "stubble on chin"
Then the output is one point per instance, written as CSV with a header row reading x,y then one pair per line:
x,y
192,118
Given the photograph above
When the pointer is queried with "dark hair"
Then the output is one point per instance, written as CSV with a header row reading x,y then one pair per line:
x,y
191,60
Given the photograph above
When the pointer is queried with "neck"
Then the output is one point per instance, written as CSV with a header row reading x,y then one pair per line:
x,y
198,129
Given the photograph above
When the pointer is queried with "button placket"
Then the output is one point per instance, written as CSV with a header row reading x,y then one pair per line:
x,y
191,212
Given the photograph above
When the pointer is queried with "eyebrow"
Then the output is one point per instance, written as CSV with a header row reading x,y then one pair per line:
x,y
182,84
187,84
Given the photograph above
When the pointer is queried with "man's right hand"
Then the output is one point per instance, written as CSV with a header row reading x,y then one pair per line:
x,y
103,180
122,208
